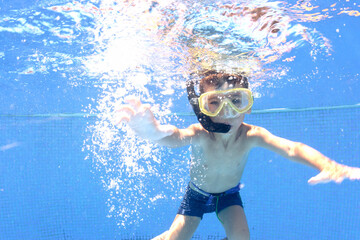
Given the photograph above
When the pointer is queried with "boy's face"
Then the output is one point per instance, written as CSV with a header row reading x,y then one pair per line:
x,y
236,120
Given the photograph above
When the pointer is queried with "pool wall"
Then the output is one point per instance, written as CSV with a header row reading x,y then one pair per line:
x,y
49,191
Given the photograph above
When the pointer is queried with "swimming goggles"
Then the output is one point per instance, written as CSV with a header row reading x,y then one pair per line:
x,y
236,100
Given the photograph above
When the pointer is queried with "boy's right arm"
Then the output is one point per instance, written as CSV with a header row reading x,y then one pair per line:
x,y
180,137
141,119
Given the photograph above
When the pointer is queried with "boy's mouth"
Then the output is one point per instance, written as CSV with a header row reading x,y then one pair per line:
x,y
223,121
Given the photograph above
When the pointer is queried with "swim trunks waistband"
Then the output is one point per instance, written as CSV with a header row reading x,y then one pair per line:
x,y
230,191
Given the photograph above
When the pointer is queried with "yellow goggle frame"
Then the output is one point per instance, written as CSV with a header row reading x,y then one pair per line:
x,y
228,97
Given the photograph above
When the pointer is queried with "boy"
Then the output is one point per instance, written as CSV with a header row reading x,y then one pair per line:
x,y
220,146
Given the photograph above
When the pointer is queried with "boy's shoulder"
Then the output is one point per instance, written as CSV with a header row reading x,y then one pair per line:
x,y
197,133
257,136
254,131
198,129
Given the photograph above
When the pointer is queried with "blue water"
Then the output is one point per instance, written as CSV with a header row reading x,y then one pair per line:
x,y
67,173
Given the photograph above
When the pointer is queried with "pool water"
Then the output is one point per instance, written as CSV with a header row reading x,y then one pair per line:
x,y
67,171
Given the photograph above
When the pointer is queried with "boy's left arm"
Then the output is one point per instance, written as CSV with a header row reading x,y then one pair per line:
x,y
299,152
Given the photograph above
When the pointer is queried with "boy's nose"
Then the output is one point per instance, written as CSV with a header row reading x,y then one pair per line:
x,y
226,111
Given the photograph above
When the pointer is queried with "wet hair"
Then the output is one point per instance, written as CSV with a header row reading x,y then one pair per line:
x,y
217,79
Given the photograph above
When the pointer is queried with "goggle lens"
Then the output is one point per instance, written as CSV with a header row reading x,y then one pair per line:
x,y
239,99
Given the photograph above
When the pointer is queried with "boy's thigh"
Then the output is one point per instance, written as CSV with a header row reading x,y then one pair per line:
x,y
183,227
234,222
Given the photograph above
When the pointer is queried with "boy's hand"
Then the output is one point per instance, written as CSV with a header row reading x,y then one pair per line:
x,y
337,173
141,119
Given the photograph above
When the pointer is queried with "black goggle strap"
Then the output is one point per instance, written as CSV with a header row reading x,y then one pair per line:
x,y
204,120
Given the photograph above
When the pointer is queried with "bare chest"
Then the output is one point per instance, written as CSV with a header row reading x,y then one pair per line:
x,y
215,157
216,168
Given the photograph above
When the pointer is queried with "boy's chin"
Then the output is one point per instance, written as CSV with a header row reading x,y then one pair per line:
x,y
233,122
228,121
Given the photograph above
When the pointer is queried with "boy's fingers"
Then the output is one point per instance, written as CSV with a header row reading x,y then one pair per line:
x,y
324,177
339,180
123,119
320,178
124,114
145,106
354,174
127,109
134,101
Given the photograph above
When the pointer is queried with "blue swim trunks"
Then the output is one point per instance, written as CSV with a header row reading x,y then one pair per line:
x,y
196,204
